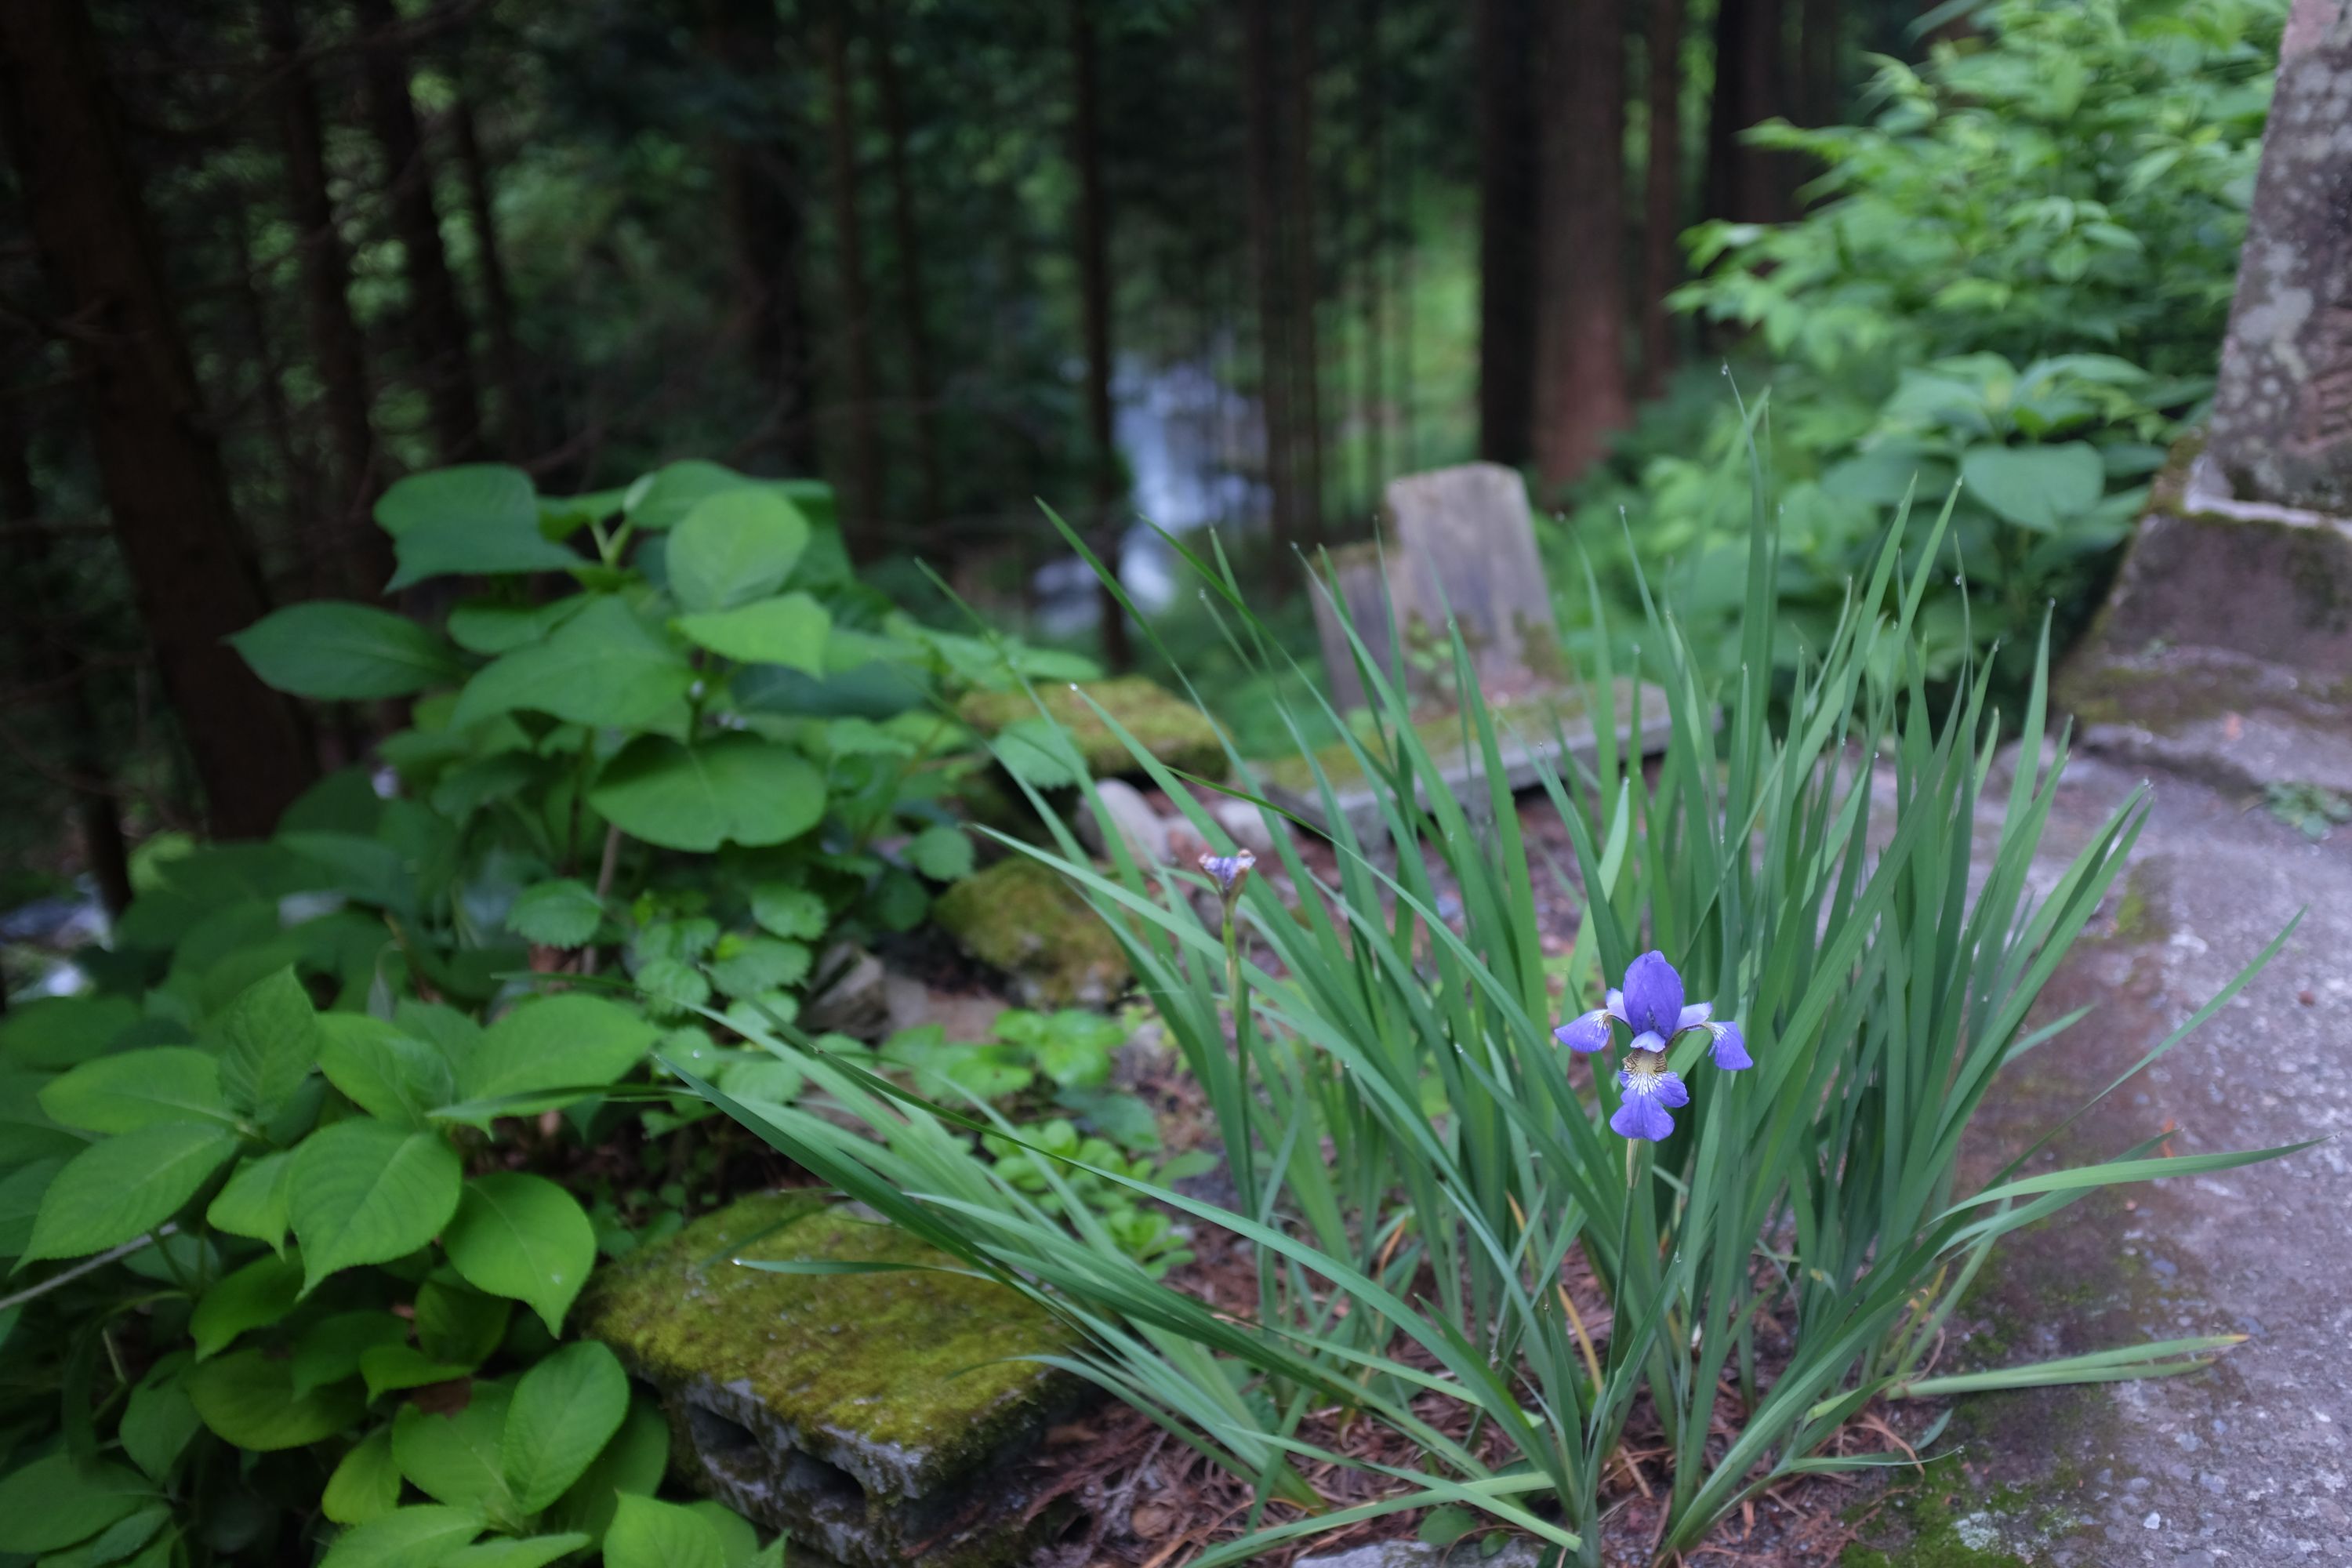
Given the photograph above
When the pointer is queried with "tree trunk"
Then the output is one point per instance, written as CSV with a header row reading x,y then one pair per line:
x,y
1821,56
1508,209
358,556
1744,183
1094,314
1263,174
1661,217
299,476
1306,291
862,488
1580,392
437,321
761,195
159,467
517,423
907,235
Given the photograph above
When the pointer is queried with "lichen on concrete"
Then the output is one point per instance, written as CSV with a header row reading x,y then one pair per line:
x,y
1179,735
865,1413
1023,917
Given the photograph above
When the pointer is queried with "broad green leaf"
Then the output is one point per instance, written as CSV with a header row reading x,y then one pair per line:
x,y
126,1186
562,912
746,966
248,1397
455,1322
331,1349
556,1042
119,1542
254,1201
492,497
2040,488
341,652
516,1552
942,852
737,1539
489,628
364,1192
420,1537
20,1202
443,548
56,1501
523,1236
454,1459
738,788
260,1293
789,910
134,1088
603,668
771,1081
157,1422
650,1534
381,1070
789,630
59,1031
366,1485
634,1462
565,1409
734,547
268,1039
664,497
672,986
390,1368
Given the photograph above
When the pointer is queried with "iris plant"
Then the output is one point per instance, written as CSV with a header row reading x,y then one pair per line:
x,y
1651,1006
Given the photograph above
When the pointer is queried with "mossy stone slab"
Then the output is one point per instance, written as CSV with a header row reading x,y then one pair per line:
x,y
1179,735
1023,917
873,1415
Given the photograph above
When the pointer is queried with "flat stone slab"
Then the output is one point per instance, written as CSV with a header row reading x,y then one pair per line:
x,y
1532,737
877,1417
1163,723
2250,1461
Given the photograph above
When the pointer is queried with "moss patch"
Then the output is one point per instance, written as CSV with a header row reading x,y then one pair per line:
x,y
1533,720
1022,917
1944,1521
903,1380
1179,735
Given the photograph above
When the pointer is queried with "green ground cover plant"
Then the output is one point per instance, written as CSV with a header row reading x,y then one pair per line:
x,y
1413,1154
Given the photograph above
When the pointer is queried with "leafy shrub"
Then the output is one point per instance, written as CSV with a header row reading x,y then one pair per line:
x,y
2017,277
1414,1153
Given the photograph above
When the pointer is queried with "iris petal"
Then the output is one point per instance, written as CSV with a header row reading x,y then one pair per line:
x,y
1730,1047
1653,996
1670,1090
1642,1117
1694,1015
1588,1033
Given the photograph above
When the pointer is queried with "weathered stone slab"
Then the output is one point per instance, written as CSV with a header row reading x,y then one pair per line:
x,y
877,1417
1518,1553
2282,412
1024,918
1163,723
1456,541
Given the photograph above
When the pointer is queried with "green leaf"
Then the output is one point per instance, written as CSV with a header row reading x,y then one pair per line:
x,y
634,1462
364,1192
269,1038
158,1420
342,652
331,1349
366,1485
136,1089
390,1368
565,1410
254,1202
1444,1525
493,628
942,852
126,1186
1075,1061
649,1534
442,549
523,1236
562,912
734,547
603,668
119,1541
737,1539
421,1537
512,1552
789,630
556,1042
663,498
454,1459
20,1202
672,987
789,910
54,1502
248,1398
738,787
773,1082
2040,488
381,1070
746,966
492,497
260,1293
455,1322
1036,751
58,1031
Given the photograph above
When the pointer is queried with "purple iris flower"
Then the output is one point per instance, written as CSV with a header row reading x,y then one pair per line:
x,y
1229,871
1651,1005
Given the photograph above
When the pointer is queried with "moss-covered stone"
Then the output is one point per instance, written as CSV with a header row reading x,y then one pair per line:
x,y
1179,735
1022,917
871,1415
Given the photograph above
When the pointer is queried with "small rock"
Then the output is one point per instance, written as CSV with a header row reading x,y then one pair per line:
x,y
1022,917
1245,823
1144,829
1519,1554
855,998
